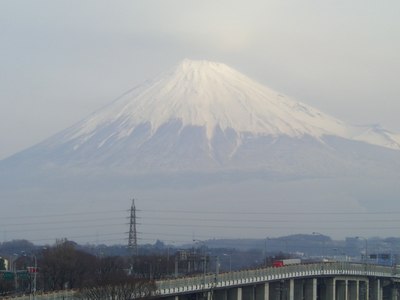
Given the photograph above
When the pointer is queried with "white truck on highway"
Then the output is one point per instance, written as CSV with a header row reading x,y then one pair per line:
x,y
285,262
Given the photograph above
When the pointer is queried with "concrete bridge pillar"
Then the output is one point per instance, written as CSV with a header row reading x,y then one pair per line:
x,y
262,291
310,289
353,289
363,290
248,292
281,290
327,289
341,289
298,290
220,294
286,289
389,289
394,292
376,289
348,289
235,294
275,290
291,289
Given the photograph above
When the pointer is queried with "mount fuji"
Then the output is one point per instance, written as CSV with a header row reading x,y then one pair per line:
x,y
203,137
202,116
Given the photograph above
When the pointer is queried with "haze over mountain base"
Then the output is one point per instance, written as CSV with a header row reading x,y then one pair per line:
x,y
178,209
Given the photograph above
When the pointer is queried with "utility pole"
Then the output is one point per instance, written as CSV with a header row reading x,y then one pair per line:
x,y
132,241
14,270
323,245
204,260
34,277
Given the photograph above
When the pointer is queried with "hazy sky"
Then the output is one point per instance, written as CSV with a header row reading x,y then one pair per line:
x,y
62,60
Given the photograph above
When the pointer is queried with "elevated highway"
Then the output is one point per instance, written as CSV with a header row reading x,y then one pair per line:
x,y
315,281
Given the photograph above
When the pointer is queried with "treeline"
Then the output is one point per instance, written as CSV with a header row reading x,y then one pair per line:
x,y
67,265
62,266
95,269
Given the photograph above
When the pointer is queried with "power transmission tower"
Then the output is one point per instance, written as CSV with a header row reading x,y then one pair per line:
x,y
132,242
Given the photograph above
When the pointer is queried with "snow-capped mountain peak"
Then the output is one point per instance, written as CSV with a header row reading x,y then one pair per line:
x,y
213,95
202,116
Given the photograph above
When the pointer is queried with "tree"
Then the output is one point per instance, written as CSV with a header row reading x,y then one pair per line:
x,y
111,281
6,286
64,267
128,287
2,264
83,267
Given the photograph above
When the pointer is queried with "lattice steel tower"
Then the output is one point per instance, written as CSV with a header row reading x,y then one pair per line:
x,y
132,242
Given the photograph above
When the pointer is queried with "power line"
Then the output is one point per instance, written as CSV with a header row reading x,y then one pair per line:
x,y
64,215
190,222
205,212
273,213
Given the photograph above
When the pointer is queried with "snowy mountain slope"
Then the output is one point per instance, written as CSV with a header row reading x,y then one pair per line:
x,y
377,135
211,95
206,117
